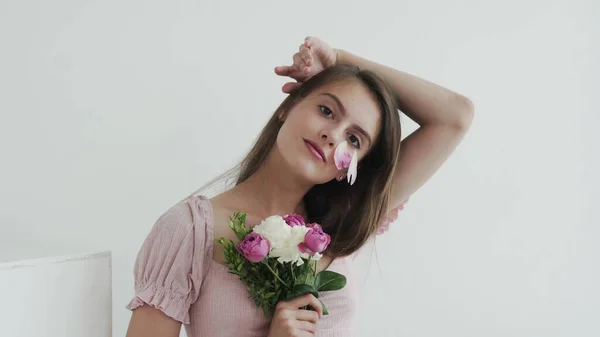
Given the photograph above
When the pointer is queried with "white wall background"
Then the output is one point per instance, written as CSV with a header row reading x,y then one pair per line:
x,y
111,111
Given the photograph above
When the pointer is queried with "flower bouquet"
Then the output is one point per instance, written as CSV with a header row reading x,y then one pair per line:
x,y
276,259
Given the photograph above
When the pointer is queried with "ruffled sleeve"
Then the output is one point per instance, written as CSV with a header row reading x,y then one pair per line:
x,y
171,264
391,217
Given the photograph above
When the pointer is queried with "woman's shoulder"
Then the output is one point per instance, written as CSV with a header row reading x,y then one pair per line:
x,y
192,212
173,260
223,207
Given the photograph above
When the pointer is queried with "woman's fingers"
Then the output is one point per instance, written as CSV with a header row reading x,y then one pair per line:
x,y
290,320
307,58
291,71
290,87
306,326
306,54
300,70
301,333
307,315
299,61
283,70
305,300
311,41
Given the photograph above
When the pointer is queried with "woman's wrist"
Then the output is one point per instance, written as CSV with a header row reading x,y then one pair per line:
x,y
344,57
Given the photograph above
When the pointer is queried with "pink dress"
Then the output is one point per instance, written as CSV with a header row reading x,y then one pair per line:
x,y
176,273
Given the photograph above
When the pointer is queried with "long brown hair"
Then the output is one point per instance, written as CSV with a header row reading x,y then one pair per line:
x,y
350,214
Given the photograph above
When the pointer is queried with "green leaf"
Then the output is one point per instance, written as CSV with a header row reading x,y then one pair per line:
x,y
300,290
328,280
237,223
325,312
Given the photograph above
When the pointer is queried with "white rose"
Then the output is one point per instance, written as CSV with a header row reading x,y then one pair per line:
x,y
297,235
275,230
289,252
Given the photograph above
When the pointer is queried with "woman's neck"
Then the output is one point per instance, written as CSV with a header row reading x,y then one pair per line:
x,y
272,190
268,194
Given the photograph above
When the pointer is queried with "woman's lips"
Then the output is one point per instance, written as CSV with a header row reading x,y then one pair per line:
x,y
315,150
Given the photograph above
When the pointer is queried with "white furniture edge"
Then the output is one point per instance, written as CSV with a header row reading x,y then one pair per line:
x,y
55,259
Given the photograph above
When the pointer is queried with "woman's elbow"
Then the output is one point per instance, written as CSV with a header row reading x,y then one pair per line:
x,y
465,109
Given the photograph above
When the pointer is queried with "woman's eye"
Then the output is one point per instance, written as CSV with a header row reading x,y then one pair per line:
x,y
325,110
355,141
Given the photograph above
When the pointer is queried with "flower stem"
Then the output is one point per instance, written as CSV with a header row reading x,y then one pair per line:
x,y
275,274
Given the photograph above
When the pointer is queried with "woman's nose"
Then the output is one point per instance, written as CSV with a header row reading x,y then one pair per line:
x,y
327,139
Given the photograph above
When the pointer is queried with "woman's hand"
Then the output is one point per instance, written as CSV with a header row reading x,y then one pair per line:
x,y
289,320
312,57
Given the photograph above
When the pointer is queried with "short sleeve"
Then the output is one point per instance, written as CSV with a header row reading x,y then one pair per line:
x,y
174,259
391,217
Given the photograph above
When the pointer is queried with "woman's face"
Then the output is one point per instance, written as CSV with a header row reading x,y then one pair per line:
x,y
337,112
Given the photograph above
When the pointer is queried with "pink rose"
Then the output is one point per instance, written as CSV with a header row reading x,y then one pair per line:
x,y
315,240
294,220
254,247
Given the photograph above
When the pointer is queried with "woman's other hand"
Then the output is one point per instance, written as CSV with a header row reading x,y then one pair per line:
x,y
312,57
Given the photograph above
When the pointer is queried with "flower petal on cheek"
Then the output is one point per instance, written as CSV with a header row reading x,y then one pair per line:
x,y
342,157
353,168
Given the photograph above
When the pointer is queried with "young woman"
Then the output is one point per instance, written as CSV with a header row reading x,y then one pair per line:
x,y
337,100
